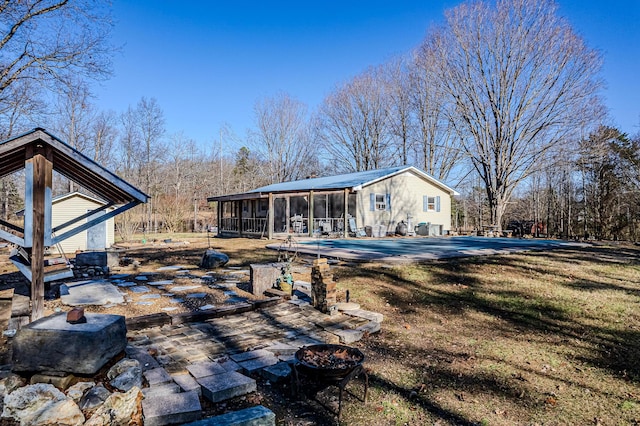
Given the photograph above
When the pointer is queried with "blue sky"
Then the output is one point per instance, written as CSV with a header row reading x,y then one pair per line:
x,y
207,62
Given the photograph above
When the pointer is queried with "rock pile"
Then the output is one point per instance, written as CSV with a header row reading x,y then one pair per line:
x,y
86,403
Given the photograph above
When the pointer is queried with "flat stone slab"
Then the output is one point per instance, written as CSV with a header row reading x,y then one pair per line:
x,y
185,287
186,382
359,313
157,376
171,408
348,336
277,372
176,300
141,278
140,289
226,386
126,284
282,349
347,306
170,268
51,344
163,389
119,276
245,356
143,303
99,292
205,369
150,296
159,283
196,295
257,364
252,416
207,307
169,308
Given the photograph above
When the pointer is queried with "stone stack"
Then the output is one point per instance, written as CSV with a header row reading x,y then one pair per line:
x,y
323,288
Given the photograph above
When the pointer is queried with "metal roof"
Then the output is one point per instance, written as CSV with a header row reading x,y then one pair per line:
x,y
70,163
353,181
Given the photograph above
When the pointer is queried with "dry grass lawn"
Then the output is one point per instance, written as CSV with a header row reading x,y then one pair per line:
x,y
539,338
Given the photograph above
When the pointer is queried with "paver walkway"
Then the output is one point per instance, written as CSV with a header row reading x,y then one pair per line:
x,y
177,346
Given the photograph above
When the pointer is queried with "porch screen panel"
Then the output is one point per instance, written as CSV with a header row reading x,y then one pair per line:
x,y
320,206
280,220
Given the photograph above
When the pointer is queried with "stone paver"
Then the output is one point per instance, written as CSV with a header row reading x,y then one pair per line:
x,y
157,376
277,372
253,416
172,408
225,386
186,382
257,364
205,369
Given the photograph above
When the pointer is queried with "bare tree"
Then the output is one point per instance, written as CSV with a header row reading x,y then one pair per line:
x,y
397,77
150,120
438,147
104,132
282,138
519,82
46,41
353,123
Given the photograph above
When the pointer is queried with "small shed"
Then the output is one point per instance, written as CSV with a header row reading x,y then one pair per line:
x,y
375,200
69,206
65,208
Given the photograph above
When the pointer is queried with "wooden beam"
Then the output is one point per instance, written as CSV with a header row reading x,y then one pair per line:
x,y
41,179
11,226
13,239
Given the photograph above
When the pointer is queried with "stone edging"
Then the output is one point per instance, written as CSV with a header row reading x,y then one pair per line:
x,y
162,318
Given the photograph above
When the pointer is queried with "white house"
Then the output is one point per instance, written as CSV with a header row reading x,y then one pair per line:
x,y
376,200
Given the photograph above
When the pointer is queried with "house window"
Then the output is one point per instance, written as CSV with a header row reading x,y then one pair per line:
x,y
379,202
430,204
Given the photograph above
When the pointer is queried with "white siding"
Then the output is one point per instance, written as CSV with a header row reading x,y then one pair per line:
x,y
69,208
406,192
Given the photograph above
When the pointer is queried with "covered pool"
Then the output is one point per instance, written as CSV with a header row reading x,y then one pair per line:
x,y
421,248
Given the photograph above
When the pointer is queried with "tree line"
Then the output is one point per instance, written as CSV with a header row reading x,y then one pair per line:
x,y
500,100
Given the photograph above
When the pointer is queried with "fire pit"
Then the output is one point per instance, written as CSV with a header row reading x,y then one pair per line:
x,y
329,365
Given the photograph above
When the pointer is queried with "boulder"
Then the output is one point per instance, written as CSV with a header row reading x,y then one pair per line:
x,y
41,404
126,374
212,259
93,398
120,409
77,391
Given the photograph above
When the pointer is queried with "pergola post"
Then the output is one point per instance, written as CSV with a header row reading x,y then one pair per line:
x,y
39,177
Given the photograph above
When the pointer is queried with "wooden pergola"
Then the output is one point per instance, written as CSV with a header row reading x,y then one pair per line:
x,y
39,153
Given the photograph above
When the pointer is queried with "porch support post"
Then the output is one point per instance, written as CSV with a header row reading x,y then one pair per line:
x,y
39,178
238,209
219,209
345,217
310,224
270,217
